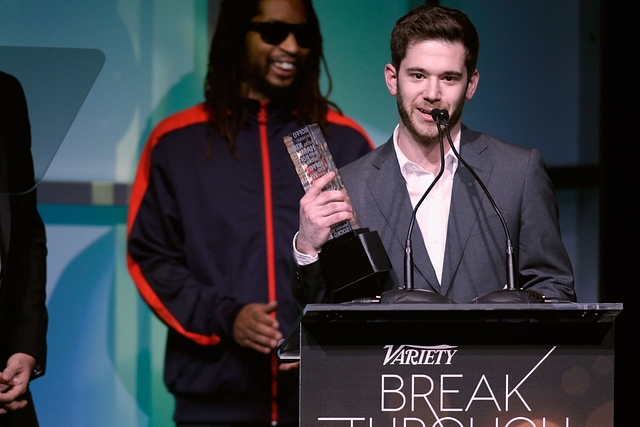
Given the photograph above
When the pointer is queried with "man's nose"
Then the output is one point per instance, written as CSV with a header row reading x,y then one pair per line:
x,y
431,90
290,44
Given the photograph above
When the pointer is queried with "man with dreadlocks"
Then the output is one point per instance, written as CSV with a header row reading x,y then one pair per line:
x,y
214,209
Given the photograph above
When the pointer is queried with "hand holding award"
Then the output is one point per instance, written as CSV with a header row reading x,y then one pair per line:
x,y
353,261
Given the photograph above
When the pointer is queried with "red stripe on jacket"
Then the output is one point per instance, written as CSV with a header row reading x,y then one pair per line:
x,y
338,119
263,118
196,114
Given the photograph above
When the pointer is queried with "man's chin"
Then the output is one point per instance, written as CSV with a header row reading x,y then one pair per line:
x,y
425,133
427,140
277,90
281,93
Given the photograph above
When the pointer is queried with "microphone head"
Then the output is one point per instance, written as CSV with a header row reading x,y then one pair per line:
x,y
438,114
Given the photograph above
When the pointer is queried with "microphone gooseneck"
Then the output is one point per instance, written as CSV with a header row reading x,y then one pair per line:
x,y
409,294
408,248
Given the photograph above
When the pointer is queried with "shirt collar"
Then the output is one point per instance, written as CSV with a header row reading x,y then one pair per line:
x,y
407,167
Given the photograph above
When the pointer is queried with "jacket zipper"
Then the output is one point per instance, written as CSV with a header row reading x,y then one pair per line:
x,y
271,270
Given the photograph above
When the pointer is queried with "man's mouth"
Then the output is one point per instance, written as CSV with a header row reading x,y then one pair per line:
x,y
426,113
284,65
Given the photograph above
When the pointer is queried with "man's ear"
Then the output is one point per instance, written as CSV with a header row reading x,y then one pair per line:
x,y
391,79
472,84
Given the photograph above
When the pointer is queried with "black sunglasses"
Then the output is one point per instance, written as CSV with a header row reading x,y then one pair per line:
x,y
274,32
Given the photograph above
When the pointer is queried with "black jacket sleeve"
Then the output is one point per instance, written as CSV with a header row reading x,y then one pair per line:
x,y
23,312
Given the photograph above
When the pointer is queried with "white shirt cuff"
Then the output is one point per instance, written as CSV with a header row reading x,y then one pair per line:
x,y
302,259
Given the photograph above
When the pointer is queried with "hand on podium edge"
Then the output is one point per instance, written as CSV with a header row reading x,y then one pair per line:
x,y
288,366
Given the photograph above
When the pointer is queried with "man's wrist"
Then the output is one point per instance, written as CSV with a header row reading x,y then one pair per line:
x,y
302,258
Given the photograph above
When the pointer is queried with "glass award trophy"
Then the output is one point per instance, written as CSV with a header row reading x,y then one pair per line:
x,y
354,262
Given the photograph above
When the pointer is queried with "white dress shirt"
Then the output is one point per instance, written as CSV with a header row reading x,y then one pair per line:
x,y
433,214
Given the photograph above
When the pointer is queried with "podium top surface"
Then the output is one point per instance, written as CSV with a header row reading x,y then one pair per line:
x,y
545,312
558,323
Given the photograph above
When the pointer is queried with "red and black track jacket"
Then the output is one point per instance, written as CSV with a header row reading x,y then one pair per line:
x,y
208,234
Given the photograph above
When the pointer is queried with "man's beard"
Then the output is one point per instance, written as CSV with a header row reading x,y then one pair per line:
x,y
277,94
255,76
428,136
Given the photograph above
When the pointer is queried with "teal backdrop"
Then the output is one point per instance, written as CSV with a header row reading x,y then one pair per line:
x,y
106,347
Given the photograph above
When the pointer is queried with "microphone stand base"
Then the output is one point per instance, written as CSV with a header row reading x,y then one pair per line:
x,y
413,296
510,296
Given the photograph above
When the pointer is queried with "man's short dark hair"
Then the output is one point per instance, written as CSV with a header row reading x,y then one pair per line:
x,y
435,23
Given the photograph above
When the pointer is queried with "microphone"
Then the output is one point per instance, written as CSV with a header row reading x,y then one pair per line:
x,y
441,117
511,293
409,294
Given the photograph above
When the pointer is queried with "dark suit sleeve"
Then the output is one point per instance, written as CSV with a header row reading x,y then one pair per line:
x,y
27,261
308,284
24,267
544,265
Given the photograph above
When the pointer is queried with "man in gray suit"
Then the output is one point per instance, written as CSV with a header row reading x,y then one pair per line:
x,y
459,251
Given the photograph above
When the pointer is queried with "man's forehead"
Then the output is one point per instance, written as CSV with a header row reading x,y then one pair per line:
x,y
438,44
289,11
428,51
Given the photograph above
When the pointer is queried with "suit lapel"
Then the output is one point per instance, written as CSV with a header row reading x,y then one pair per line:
x,y
466,200
389,192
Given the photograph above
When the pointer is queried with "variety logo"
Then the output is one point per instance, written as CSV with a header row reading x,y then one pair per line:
x,y
419,355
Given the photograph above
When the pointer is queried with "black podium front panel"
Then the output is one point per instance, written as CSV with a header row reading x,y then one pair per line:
x,y
462,365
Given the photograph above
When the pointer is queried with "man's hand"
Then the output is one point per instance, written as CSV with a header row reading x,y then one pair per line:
x,y
255,328
14,380
319,210
284,367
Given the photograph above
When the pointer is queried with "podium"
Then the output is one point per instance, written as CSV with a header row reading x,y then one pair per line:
x,y
445,365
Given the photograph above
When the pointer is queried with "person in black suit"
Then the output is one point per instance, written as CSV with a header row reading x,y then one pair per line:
x,y
23,312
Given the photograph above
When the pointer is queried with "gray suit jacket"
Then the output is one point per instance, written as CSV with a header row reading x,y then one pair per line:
x,y
475,252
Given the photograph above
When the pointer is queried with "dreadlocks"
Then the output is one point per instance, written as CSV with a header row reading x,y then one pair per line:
x,y
227,104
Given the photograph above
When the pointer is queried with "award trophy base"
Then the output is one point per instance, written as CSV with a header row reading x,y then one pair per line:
x,y
354,266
